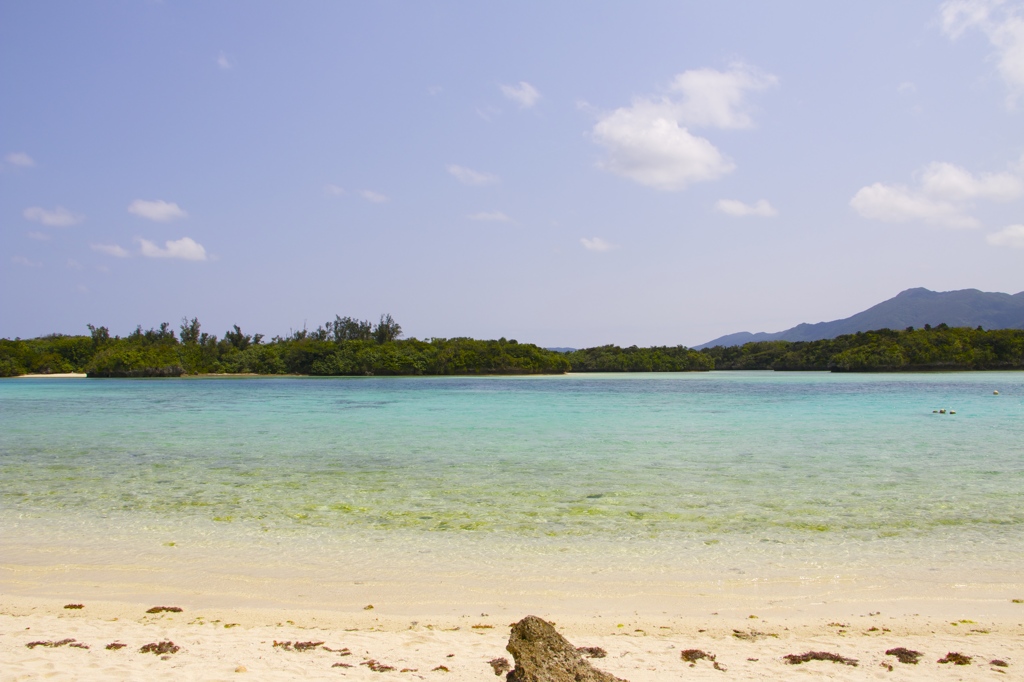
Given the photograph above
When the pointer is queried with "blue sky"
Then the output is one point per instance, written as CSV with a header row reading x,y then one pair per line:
x,y
569,173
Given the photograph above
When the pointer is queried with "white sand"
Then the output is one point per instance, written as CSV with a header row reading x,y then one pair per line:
x,y
224,643
65,375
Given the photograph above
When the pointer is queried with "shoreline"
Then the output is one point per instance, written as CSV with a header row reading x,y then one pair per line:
x,y
217,643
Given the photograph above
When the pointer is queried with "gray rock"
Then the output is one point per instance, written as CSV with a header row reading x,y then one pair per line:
x,y
543,655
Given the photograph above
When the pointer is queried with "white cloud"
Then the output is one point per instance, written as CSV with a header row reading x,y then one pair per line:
x,y
897,204
468,176
224,62
1012,236
58,217
21,260
20,159
334,190
1003,25
158,210
110,250
649,141
596,244
38,236
956,183
647,145
716,98
372,197
490,216
183,248
524,94
944,196
739,209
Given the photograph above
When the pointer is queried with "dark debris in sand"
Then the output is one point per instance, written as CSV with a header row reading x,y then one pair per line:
x,y
903,655
796,659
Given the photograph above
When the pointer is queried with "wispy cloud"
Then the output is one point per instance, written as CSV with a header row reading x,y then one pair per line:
x,y
1011,236
58,217
334,190
20,159
110,250
1003,24
490,216
739,209
596,244
184,248
21,260
468,176
524,94
225,62
158,210
943,197
373,197
649,141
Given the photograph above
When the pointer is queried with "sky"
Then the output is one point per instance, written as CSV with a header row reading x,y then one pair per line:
x,y
568,174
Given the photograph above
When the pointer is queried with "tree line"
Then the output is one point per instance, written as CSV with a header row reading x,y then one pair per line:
x,y
347,346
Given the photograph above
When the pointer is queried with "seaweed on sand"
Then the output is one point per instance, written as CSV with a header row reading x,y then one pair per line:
x,y
796,659
160,648
903,655
161,609
956,658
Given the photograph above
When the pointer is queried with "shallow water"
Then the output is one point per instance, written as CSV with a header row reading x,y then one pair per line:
x,y
664,471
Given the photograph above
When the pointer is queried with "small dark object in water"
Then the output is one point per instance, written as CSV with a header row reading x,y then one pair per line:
x,y
74,606
908,656
164,647
114,646
796,659
49,644
592,651
377,666
694,655
161,609
999,663
500,665
955,658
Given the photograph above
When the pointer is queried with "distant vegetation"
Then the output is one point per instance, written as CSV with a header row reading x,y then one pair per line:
x,y
350,347
884,350
343,346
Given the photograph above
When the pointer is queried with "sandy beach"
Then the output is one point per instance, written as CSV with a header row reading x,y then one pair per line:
x,y
224,643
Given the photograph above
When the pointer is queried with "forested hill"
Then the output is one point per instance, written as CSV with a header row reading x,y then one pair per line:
x,y
357,348
910,308
885,350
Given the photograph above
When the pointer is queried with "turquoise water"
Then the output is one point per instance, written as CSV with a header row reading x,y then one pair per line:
x,y
697,457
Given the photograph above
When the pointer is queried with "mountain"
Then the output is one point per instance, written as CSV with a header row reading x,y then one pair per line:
x,y
910,308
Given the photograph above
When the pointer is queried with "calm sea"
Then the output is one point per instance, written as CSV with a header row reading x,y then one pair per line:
x,y
741,461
